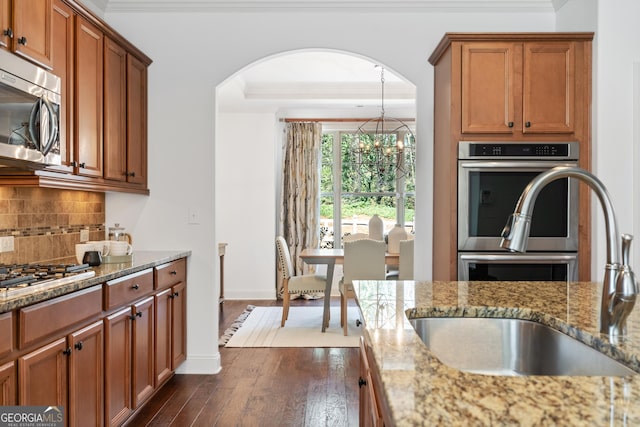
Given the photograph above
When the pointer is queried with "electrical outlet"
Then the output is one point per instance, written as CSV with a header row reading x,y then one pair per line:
x,y
194,216
84,235
6,244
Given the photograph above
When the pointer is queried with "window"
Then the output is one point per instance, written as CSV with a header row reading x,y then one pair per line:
x,y
354,192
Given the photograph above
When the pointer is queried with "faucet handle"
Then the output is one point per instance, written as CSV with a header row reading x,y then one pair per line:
x,y
626,248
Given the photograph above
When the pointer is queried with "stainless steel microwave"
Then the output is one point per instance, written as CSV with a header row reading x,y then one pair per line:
x,y
29,114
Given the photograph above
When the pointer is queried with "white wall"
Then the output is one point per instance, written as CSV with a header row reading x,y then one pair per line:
x,y
246,213
195,52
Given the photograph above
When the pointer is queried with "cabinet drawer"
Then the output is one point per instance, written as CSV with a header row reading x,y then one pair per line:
x,y
127,289
48,317
171,273
6,333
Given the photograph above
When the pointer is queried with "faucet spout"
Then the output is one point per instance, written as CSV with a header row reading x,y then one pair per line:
x,y
619,289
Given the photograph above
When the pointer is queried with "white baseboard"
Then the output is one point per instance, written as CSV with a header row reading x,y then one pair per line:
x,y
204,365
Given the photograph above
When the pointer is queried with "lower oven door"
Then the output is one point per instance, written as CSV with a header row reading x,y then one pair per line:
x,y
517,267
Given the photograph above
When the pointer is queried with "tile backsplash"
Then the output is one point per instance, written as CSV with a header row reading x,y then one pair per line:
x,y
46,223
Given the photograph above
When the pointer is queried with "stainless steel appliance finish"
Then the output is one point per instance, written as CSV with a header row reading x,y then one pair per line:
x,y
491,177
544,266
29,114
511,347
19,279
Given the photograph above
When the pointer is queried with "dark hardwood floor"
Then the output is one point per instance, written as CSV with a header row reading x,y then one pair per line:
x,y
262,386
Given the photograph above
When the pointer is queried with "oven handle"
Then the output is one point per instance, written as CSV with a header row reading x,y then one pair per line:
x,y
519,258
511,165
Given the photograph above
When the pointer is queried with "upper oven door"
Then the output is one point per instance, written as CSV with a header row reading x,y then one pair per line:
x,y
487,195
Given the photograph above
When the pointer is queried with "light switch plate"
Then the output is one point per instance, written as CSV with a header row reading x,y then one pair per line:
x,y
84,235
194,216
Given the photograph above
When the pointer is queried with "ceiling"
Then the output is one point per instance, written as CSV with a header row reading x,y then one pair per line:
x,y
320,83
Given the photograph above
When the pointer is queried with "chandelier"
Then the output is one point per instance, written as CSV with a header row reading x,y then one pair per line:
x,y
384,147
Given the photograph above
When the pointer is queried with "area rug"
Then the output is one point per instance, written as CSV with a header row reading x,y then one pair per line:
x,y
302,329
235,325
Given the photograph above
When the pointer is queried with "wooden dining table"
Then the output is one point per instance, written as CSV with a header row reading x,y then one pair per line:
x,y
331,257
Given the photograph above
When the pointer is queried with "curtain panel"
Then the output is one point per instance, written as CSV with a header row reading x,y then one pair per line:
x,y
300,207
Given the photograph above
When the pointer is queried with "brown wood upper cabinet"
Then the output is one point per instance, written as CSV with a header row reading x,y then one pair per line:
x,y
26,29
518,88
125,140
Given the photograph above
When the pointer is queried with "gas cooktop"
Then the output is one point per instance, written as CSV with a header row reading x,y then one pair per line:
x,y
22,276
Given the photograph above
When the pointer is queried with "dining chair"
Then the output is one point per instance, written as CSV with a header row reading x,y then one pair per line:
x,y
300,284
363,260
405,271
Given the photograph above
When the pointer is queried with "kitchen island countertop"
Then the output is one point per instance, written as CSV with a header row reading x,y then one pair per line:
x,y
141,260
419,390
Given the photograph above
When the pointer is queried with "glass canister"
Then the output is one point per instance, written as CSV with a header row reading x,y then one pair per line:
x,y
118,233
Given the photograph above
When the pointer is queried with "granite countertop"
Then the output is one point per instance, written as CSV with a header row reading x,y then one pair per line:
x,y
419,390
141,260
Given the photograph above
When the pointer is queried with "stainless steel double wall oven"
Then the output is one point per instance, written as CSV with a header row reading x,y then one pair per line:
x,y
491,177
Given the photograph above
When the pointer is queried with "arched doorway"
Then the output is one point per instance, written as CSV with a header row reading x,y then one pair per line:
x,y
306,84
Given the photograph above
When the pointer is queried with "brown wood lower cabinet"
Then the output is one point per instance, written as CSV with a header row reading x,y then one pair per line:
x,y
8,384
370,415
129,370
68,373
100,352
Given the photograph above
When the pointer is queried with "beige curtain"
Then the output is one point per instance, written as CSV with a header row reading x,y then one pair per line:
x,y
300,205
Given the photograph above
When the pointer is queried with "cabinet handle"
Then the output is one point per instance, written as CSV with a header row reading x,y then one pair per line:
x,y
136,286
67,351
172,296
132,174
361,382
78,345
22,40
133,316
510,124
8,32
139,314
176,294
527,124
358,322
82,165
173,272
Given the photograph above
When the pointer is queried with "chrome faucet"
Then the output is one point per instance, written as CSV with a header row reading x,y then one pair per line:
x,y
619,289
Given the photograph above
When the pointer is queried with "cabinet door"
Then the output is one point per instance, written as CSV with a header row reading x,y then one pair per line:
x,y
163,335
117,367
179,325
62,45
115,107
5,23
32,30
549,84
86,377
89,97
136,121
43,375
8,384
369,410
143,360
490,84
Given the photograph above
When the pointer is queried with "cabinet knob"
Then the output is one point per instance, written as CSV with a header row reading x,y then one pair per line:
x,y
132,174
136,286
82,165
78,345
173,272
139,314
361,382
67,351
22,40
510,124
527,124
8,32
358,322
132,317
176,294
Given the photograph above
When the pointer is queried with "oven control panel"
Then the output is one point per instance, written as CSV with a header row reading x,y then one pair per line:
x,y
538,150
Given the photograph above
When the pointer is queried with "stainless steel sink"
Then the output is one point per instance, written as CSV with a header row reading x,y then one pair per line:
x,y
511,347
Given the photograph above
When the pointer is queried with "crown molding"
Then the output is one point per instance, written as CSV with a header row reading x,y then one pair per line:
x,y
386,6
